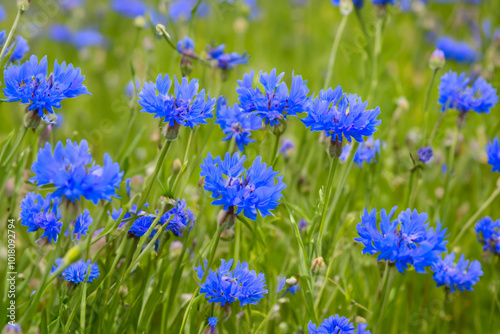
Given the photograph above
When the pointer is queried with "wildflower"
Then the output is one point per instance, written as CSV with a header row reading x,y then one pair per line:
x,y
302,224
2,13
342,116
460,52
367,152
455,93
20,47
338,325
130,88
488,233
180,217
287,146
69,5
275,103
346,152
493,152
225,286
39,213
182,9
74,174
187,108
459,275
437,59
212,322
383,2
282,281
129,8
80,39
10,327
28,83
186,46
82,224
78,272
406,241
248,191
425,154
236,124
142,225
226,61
357,3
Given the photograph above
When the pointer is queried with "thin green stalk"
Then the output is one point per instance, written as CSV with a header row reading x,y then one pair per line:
x,y
377,48
427,99
333,52
20,11
19,139
275,151
436,127
451,165
326,202
392,272
363,26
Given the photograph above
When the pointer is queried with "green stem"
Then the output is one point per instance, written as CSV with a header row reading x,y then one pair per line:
x,y
377,48
435,128
19,139
450,170
333,53
363,27
427,99
326,202
392,272
275,151
20,11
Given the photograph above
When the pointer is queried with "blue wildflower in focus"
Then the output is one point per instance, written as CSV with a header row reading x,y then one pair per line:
x,y
455,93
29,84
275,103
406,241
82,224
187,107
248,191
186,46
226,61
2,13
181,217
287,146
20,47
493,152
78,272
367,152
74,174
129,8
358,3
342,116
488,233
425,154
460,52
130,89
338,325
182,9
225,286
235,123
141,225
39,213
212,322
290,289
461,275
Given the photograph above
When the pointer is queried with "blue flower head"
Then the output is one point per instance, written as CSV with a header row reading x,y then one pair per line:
x,y
226,61
225,286
141,225
235,123
129,8
187,108
39,213
182,9
338,325
78,272
69,5
82,224
186,46
460,52
181,217
256,189
275,103
383,2
20,47
212,322
367,152
29,84
80,39
425,154
129,88
357,3
342,116
287,146
74,174
405,241
281,284
461,275
488,233
493,152
2,13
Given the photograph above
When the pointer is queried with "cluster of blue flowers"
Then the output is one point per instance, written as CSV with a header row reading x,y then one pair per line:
x,y
338,325
226,61
488,233
493,152
80,39
225,286
256,189
20,46
44,214
461,275
78,272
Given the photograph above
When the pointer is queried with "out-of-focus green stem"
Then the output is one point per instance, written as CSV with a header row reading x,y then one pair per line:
x,y
333,52
450,170
377,48
328,191
20,12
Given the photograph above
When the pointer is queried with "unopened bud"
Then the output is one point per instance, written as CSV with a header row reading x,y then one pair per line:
x,y
335,149
171,132
140,22
72,255
186,66
437,59
227,235
346,7
23,5
318,266
176,166
292,281
279,128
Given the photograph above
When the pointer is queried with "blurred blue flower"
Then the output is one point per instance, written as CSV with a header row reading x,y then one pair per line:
x,y
80,39
338,325
342,116
226,61
130,89
78,271
181,9
346,152
281,284
493,152
69,5
74,174
460,52
287,146
358,3
367,152
235,123
425,154
488,233
39,213
2,13
461,275
212,322
129,8
187,108
407,240
185,46
383,2
29,84
225,286
180,217
275,103
20,47
82,224
256,189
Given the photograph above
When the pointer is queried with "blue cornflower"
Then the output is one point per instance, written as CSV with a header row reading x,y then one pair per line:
x,y
82,224
275,103
130,89
338,325
346,152
493,152
287,146
185,46
182,9
358,3
187,108
455,93
39,213
78,271
425,154
342,116
367,152
458,51
407,240
291,289
226,61
235,123
182,218
81,39
20,47
225,286
256,189
212,322
2,13
72,171
69,5
383,2
29,84
459,275
129,8
141,225
488,233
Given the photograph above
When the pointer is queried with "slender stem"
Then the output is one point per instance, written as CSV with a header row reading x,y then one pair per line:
x,y
20,11
451,163
377,48
326,202
275,151
392,272
20,137
363,26
333,53
436,127
427,99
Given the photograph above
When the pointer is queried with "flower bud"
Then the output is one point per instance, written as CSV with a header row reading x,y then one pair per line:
x,y
171,132
32,120
335,149
186,66
227,235
437,59
318,266
176,167
292,281
346,7
280,128
140,22
23,5
72,255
